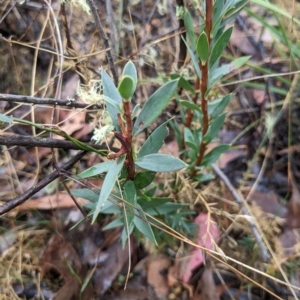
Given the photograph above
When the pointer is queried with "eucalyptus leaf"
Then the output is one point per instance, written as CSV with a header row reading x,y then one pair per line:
x,y
203,47
155,141
160,163
108,184
96,169
143,226
214,155
154,106
220,46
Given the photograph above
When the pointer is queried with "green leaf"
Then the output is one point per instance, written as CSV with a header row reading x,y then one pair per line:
x,y
143,179
143,226
220,46
165,208
203,177
189,105
154,141
96,169
113,105
160,163
193,58
214,128
203,47
126,87
189,25
130,196
93,196
183,83
239,62
109,88
154,202
214,155
108,184
189,139
130,70
216,107
114,224
154,106
136,111
6,119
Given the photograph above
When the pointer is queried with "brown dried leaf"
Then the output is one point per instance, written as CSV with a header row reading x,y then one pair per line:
x,y
208,288
157,275
293,216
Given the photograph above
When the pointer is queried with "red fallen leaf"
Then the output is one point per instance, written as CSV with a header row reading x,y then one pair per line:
x,y
208,235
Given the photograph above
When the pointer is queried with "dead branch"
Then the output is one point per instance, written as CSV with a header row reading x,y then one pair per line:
x,y
41,184
46,101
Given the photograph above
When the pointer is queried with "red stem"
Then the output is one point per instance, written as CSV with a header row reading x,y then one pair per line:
x,y
203,88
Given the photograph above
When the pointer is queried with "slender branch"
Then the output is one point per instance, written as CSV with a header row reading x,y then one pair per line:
x,y
99,26
46,101
29,141
37,187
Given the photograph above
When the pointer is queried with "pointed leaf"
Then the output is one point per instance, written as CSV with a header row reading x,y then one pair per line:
x,y
193,58
203,47
189,139
143,226
114,98
214,155
143,179
216,107
183,83
155,141
189,105
214,128
96,169
126,87
160,163
108,184
130,196
154,106
189,25
220,46
130,70
93,196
